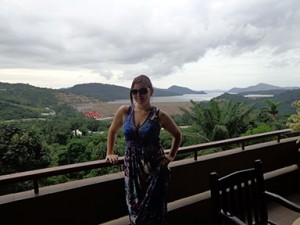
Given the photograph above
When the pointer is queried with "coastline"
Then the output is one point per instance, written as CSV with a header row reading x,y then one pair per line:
x,y
109,109
170,104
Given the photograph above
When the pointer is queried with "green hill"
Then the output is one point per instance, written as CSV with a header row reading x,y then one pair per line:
x,y
184,90
27,95
100,91
107,92
259,87
285,97
19,101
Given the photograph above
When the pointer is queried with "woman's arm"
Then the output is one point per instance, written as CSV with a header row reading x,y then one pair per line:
x,y
168,124
116,124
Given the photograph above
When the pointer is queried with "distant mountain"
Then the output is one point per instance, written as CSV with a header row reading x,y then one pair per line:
x,y
164,92
26,94
259,87
285,97
107,92
26,101
184,90
19,101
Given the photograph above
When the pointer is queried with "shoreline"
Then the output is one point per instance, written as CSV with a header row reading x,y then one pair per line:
x,y
109,109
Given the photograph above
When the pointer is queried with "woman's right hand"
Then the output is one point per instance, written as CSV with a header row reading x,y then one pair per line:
x,y
111,158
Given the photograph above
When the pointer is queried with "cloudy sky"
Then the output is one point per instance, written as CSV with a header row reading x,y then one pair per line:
x,y
200,44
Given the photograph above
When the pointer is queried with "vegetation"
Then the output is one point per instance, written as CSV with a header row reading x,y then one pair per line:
x,y
294,120
30,141
21,149
285,97
220,120
101,91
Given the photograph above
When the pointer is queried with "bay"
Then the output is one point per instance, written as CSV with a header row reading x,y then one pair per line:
x,y
179,98
258,96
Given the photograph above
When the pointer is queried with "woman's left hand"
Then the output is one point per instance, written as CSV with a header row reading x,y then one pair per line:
x,y
167,159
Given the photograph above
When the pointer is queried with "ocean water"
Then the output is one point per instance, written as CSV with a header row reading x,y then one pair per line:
x,y
179,98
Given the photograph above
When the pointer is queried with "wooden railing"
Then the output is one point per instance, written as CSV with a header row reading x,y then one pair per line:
x,y
97,200
36,175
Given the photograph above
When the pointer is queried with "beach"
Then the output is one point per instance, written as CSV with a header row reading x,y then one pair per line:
x,y
172,105
108,109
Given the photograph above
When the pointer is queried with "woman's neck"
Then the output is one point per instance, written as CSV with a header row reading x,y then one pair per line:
x,y
146,107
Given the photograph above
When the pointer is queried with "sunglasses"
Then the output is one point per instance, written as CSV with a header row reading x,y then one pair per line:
x,y
141,91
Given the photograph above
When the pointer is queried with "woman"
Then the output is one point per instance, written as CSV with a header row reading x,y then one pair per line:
x,y
145,164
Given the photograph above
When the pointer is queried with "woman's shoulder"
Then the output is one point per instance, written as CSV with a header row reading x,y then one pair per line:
x,y
123,109
162,115
159,111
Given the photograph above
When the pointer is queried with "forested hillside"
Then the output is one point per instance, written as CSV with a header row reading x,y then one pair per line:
x,y
104,92
68,137
260,87
284,97
27,95
25,101
107,92
20,101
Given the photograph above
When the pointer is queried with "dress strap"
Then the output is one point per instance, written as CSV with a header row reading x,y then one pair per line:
x,y
130,110
154,112
157,112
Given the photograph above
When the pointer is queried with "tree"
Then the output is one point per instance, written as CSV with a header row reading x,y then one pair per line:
x,y
294,120
75,152
21,150
219,120
271,112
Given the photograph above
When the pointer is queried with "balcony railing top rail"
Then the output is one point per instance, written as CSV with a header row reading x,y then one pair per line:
x,y
36,175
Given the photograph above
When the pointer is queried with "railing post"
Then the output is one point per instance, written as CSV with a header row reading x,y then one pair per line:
x,y
36,186
195,155
243,145
278,138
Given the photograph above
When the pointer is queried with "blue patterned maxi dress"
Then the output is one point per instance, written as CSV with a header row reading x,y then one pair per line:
x,y
146,182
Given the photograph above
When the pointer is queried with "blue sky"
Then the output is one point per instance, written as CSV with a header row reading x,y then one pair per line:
x,y
200,44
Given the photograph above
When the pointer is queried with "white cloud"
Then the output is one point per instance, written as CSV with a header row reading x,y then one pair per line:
x,y
172,41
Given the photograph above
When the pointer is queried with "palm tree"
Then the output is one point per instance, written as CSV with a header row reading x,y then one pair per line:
x,y
219,120
270,112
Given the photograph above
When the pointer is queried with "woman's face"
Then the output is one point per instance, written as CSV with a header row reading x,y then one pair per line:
x,y
141,93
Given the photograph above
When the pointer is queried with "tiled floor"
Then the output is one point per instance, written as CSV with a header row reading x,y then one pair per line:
x,y
277,214
282,215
